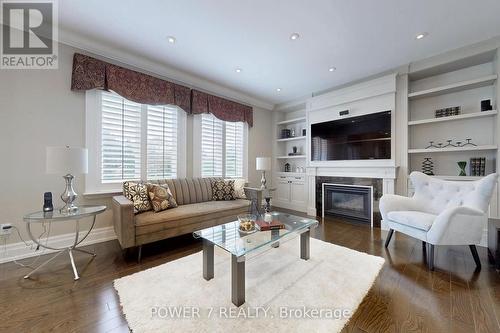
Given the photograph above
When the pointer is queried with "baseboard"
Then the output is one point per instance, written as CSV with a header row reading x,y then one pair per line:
x,y
17,251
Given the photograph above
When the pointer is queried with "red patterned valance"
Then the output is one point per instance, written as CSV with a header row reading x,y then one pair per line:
x,y
221,108
90,73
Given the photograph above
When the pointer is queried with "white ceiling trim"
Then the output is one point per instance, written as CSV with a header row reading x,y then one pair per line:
x,y
157,69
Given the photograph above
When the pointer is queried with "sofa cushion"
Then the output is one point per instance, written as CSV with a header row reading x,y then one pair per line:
x,y
239,185
223,190
189,211
415,219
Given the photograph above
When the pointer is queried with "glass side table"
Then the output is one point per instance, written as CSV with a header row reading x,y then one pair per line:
x,y
56,216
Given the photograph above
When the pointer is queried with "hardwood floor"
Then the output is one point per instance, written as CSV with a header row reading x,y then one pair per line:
x,y
406,296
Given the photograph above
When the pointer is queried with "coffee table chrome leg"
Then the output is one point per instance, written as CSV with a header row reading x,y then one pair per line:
x,y
75,272
208,260
237,281
43,264
304,245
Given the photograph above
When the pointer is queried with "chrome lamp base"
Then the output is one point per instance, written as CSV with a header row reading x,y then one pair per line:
x,y
69,196
263,181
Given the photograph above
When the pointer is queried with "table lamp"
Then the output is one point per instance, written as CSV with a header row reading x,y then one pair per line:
x,y
263,164
67,161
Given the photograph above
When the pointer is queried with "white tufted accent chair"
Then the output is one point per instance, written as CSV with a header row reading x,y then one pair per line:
x,y
441,212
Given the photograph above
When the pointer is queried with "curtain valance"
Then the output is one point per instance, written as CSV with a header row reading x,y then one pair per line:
x,y
90,73
221,108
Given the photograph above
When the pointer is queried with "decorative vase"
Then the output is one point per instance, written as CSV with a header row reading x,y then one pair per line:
x,y
462,165
428,166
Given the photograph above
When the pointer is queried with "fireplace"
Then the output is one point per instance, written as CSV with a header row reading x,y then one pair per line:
x,y
348,201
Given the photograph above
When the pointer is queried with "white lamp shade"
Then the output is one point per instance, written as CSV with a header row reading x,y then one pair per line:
x,y
263,163
67,160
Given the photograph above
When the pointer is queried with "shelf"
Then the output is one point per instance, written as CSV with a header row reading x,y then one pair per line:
x,y
291,121
292,174
291,139
454,87
452,149
451,118
293,156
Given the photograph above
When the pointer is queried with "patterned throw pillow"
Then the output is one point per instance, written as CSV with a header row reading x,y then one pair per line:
x,y
161,197
223,190
138,194
239,192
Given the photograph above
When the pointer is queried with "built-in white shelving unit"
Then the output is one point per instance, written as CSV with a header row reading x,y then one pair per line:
x,y
446,85
291,186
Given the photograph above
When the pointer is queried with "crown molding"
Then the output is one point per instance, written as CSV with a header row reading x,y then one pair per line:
x,y
102,50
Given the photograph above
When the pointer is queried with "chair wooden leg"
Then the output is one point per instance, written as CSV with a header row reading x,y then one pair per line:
x,y
389,236
430,256
473,250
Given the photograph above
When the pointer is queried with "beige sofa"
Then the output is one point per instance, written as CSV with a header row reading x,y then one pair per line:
x,y
196,211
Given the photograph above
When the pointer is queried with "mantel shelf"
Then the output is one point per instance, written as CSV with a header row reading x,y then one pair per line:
x,y
452,149
293,156
291,121
291,139
452,118
454,87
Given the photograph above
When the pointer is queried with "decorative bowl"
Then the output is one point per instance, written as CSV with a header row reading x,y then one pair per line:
x,y
247,222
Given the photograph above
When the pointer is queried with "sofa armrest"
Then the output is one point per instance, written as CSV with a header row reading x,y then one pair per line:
x,y
123,221
255,196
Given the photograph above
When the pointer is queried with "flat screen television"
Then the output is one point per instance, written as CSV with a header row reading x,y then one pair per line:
x,y
366,137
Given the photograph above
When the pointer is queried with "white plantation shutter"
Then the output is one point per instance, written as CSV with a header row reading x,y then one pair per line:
x,y
161,142
234,150
211,146
120,139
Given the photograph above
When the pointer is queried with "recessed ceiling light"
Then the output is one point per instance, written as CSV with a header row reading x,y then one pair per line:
x,y
294,36
238,70
421,35
171,39
278,89
332,69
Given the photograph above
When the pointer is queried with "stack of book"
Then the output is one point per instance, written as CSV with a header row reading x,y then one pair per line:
x,y
477,166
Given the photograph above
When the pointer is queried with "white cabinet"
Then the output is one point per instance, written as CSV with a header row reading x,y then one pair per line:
x,y
282,189
290,192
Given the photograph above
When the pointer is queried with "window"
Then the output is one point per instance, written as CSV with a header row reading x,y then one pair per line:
x,y
162,142
222,151
120,139
132,141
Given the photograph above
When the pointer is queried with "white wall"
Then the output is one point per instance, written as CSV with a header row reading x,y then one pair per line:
x,y
38,109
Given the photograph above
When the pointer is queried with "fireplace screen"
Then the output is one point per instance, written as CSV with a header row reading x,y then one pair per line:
x,y
352,202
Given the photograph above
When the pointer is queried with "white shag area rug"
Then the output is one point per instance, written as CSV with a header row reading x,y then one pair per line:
x,y
283,292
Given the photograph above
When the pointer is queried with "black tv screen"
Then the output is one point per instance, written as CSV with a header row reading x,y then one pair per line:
x,y
365,137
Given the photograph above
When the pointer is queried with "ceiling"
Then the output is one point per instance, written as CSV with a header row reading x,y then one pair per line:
x,y
214,37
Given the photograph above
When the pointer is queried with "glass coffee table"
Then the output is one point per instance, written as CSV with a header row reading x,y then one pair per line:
x,y
242,246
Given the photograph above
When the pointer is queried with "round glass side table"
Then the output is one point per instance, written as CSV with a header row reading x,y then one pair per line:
x,y
56,216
